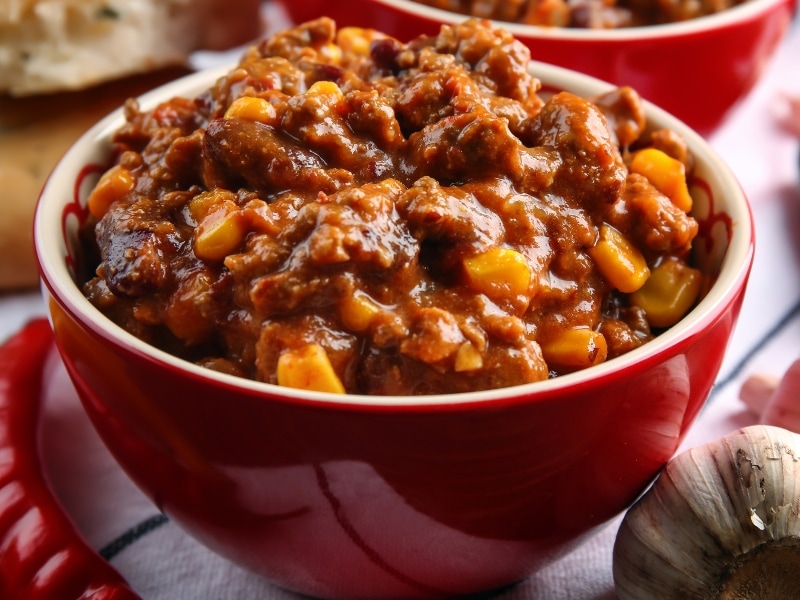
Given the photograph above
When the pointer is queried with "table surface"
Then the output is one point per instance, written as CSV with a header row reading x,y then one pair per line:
x,y
165,564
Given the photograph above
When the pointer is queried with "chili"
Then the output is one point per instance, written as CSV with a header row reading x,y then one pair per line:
x,y
343,212
585,14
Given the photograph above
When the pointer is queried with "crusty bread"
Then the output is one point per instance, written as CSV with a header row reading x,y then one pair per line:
x,y
34,133
56,45
66,63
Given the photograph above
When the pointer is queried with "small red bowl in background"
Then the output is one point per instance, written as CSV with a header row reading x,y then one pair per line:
x,y
392,497
697,70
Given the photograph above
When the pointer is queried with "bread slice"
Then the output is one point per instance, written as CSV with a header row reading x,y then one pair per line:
x,y
35,131
66,63
58,45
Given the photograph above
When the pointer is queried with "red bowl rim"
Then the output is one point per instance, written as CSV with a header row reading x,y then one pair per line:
x,y
746,11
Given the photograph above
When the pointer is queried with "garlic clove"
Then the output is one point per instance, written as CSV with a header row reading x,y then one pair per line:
x,y
722,521
757,390
783,407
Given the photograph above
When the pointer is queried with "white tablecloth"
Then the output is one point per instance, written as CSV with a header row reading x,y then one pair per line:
x,y
161,563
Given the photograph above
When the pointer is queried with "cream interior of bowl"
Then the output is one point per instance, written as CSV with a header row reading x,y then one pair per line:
x,y
63,201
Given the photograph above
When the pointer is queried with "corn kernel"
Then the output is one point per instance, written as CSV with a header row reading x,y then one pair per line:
x,y
355,40
206,202
325,88
252,109
308,368
468,358
113,185
576,349
667,174
619,261
499,273
358,311
220,233
184,314
669,293
331,52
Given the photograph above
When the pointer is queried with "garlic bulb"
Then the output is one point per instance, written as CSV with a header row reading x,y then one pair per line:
x,y
722,521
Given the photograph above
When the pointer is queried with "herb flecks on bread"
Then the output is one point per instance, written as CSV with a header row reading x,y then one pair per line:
x,y
64,64
58,45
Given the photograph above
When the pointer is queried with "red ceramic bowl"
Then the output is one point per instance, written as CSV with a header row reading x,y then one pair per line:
x,y
392,497
696,70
